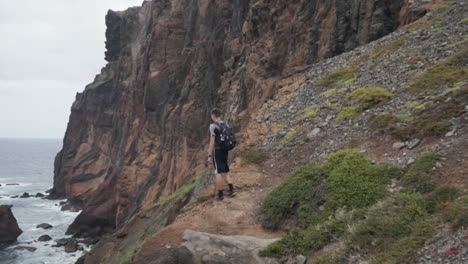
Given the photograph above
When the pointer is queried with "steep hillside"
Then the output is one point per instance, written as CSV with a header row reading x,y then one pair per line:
x,y
393,100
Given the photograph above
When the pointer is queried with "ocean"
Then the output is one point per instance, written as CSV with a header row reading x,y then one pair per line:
x,y
30,163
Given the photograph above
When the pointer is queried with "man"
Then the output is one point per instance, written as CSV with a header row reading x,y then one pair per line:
x,y
219,156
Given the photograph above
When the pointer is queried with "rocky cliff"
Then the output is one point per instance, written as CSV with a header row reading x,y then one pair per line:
x,y
137,133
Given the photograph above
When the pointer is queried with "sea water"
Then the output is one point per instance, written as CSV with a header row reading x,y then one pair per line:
x,y
30,163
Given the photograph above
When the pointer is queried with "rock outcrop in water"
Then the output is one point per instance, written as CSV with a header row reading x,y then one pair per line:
x,y
9,229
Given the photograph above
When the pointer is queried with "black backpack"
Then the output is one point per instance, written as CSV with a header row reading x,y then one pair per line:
x,y
227,138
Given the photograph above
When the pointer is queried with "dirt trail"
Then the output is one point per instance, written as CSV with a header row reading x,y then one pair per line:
x,y
233,216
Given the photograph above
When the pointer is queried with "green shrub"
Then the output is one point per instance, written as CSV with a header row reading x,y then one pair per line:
x,y
309,112
286,139
353,181
353,184
445,73
404,117
418,177
347,113
342,75
441,195
297,242
303,190
366,98
464,20
255,156
389,48
393,230
457,212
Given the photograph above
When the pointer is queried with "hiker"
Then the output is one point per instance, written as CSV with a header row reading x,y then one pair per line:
x,y
222,140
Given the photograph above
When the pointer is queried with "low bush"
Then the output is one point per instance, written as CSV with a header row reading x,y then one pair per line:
x,y
393,229
304,190
347,113
445,73
418,176
366,98
340,76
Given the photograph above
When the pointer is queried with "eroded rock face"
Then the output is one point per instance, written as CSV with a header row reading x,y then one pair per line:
x,y
9,229
138,132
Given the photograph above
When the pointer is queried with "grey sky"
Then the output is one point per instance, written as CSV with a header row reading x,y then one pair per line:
x,y
49,50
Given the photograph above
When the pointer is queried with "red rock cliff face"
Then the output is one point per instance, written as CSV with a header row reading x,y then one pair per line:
x,y
139,131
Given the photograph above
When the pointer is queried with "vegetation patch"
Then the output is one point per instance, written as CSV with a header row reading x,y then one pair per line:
x,y
389,48
464,20
332,106
418,177
184,190
446,73
366,98
255,156
309,112
393,229
340,76
347,113
345,185
431,23
414,105
302,191
286,139
404,117
353,181
431,120
440,196
335,91
457,212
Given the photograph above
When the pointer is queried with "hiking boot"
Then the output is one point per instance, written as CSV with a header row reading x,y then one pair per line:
x,y
232,193
219,198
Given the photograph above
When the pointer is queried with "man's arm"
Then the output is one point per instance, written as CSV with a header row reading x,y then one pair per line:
x,y
212,141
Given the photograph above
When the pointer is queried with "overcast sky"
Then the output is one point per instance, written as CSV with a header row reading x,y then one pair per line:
x,y
49,51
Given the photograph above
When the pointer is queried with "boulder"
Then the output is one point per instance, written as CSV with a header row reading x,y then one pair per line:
x,y
209,249
39,195
44,226
413,143
25,195
9,229
71,246
398,145
44,238
313,133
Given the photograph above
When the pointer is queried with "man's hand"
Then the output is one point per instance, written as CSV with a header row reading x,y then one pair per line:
x,y
210,160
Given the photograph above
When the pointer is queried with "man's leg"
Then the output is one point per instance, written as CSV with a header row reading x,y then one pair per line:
x,y
219,186
228,180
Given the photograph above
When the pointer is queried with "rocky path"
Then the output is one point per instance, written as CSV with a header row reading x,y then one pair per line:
x,y
233,216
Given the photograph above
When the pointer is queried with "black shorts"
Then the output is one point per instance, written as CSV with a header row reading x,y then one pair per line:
x,y
220,161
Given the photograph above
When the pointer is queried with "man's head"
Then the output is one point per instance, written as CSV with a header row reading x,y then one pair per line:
x,y
216,114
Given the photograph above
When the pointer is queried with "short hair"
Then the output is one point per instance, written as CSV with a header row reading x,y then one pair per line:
x,y
216,112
